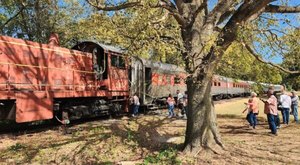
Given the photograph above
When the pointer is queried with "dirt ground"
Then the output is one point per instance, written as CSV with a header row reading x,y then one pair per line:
x,y
153,139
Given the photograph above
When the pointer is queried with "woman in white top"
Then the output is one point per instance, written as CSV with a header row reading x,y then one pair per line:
x,y
286,102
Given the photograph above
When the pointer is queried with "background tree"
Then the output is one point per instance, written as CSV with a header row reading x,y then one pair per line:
x,y
291,59
35,20
238,63
206,33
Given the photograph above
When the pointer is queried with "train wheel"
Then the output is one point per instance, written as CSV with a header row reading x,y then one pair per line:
x,y
116,109
78,114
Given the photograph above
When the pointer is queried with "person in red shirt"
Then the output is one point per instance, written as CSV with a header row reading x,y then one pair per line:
x,y
271,110
171,103
253,110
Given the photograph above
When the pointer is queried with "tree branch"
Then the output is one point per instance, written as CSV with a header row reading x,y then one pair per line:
x,y
168,5
13,17
226,15
195,14
282,9
219,10
241,16
121,6
257,57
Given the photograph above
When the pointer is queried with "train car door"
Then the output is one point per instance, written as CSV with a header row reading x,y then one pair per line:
x,y
148,79
137,78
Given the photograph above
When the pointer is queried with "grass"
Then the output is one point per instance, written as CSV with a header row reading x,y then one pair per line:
x,y
167,156
17,147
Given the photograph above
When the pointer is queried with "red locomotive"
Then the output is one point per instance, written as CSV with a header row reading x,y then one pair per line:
x,y
40,81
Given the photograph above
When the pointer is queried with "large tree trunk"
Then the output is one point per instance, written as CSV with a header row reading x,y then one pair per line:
x,y
201,130
200,59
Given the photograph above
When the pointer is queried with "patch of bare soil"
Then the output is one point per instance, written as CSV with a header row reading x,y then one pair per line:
x,y
150,139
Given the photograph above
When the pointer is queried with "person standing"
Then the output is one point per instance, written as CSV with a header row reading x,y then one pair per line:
x,y
171,103
271,111
180,102
253,106
286,102
295,101
136,105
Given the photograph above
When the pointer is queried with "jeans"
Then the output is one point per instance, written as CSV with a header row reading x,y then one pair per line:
x,y
285,115
254,120
183,110
171,110
272,125
295,112
135,109
251,118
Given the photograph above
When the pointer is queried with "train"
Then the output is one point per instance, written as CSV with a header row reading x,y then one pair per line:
x,y
44,81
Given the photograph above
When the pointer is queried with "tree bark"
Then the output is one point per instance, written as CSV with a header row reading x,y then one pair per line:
x,y
201,130
201,134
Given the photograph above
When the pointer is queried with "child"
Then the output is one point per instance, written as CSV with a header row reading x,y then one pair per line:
x,y
171,102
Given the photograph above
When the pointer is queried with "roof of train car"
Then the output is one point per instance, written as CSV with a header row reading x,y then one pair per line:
x,y
162,66
227,79
147,63
104,46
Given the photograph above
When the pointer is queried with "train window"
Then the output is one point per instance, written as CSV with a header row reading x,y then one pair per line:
x,y
177,80
117,61
121,62
114,61
215,83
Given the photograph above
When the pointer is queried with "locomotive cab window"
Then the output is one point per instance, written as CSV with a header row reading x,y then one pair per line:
x,y
118,61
